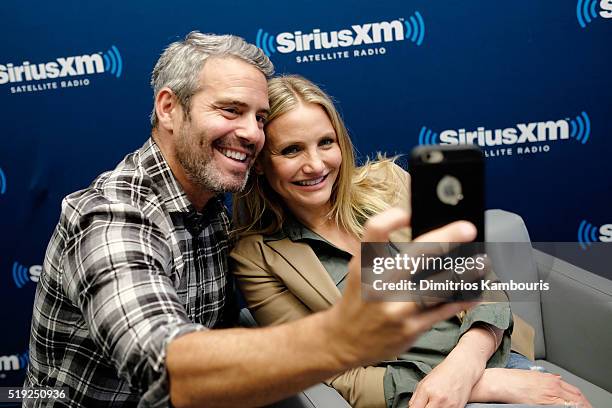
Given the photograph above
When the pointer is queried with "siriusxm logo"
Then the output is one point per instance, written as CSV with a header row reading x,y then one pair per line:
x,y
411,29
13,362
588,233
64,67
2,182
578,129
586,11
23,275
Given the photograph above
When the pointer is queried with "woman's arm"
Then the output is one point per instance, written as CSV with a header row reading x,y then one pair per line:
x,y
512,386
451,382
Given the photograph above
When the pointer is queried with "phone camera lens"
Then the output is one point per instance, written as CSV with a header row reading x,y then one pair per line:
x,y
433,156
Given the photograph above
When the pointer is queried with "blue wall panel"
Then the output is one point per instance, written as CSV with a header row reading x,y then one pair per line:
x,y
447,66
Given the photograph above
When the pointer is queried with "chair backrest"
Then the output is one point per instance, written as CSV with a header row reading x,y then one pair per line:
x,y
515,262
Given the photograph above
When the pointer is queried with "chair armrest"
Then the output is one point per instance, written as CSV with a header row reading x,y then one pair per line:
x,y
576,314
317,396
246,319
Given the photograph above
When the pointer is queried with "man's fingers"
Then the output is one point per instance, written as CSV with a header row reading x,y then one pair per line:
x,y
378,228
354,275
458,231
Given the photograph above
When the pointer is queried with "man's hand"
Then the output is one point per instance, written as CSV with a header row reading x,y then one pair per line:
x,y
362,332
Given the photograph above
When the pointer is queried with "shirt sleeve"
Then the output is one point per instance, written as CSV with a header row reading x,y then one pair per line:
x,y
498,315
117,272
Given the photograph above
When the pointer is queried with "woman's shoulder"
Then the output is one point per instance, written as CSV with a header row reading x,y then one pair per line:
x,y
257,244
249,244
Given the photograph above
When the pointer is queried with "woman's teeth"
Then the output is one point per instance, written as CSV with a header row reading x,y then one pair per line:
x,y
310,182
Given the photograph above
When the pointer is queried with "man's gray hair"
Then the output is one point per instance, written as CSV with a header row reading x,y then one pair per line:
x,y
180,64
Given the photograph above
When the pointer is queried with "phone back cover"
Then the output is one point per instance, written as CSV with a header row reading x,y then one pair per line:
x,y
428,209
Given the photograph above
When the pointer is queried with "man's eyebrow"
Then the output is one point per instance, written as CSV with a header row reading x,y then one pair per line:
x,y
235,102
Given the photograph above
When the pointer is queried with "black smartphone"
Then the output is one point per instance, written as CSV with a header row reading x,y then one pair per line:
x,y
447,184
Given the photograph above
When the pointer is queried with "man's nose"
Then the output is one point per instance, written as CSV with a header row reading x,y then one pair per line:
x,y
250,132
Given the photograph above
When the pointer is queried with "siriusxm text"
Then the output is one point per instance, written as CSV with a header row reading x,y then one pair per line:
x,y
60,68
364,34
606,8
521,133
605,232
10,363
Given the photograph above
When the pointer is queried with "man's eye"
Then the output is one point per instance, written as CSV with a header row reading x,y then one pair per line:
x,y
233,111
262,119
289,150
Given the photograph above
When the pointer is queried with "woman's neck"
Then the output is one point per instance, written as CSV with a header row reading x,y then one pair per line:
x,y
313,218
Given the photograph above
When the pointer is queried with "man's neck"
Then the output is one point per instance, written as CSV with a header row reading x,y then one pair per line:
x,y
196,195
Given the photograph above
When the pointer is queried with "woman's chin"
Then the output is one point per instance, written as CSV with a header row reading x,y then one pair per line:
x,y
314,201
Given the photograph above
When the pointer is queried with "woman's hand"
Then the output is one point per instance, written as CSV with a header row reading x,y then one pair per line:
x,y
448,385
514,386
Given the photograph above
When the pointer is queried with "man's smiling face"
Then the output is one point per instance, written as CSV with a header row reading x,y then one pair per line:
x,y
218,140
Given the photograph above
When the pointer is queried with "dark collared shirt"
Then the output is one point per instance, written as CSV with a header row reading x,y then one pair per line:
x,y
123,276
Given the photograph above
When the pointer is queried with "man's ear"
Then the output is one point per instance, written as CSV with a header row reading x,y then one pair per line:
x,y
166,108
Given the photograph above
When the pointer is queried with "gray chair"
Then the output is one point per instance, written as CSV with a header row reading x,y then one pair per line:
x,y
573,329
573,333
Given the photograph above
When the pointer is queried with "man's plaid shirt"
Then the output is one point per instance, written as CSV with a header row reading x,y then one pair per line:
x,y
122,278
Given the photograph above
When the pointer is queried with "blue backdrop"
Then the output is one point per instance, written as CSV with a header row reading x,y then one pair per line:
x,y
529,81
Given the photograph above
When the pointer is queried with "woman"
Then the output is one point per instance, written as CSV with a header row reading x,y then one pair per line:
x,y
300,221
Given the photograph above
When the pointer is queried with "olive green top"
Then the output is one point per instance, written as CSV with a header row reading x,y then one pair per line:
x,y
403,374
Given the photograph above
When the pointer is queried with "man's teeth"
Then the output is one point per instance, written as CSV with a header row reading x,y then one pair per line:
x,y
311,182
232,154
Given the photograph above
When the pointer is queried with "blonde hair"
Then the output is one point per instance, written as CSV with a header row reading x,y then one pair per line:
x,y
358,193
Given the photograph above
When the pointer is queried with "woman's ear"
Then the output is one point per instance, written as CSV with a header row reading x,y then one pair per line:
x,y
258,167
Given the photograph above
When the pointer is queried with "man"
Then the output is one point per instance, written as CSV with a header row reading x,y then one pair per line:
x,y
135,274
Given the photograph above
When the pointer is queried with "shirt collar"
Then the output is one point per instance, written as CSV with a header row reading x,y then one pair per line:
x,y
296,231
152,161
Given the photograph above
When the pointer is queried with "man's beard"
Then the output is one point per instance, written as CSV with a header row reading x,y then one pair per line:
x,y
196,156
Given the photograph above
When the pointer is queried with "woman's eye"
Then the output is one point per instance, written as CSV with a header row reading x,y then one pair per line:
x,y
327,142
289,150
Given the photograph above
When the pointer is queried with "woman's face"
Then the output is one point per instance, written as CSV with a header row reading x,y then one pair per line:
x,y
301,157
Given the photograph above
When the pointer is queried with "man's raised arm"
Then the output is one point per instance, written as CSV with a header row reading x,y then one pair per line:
x,y
254,367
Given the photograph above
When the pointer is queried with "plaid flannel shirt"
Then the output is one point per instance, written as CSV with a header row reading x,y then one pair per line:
x,y
122,278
